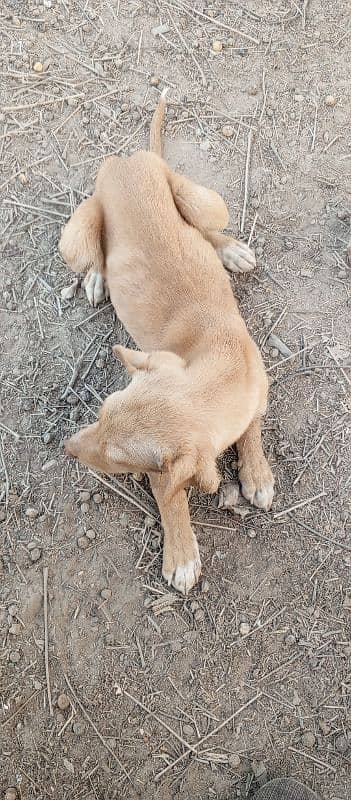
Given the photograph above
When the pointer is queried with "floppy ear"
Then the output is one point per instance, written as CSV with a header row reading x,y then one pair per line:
x,y
131,359
134,360
192,467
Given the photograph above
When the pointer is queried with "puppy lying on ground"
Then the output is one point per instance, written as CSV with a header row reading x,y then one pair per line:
x,y
198,385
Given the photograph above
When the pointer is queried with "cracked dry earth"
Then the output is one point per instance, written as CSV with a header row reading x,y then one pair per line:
x,y
152,694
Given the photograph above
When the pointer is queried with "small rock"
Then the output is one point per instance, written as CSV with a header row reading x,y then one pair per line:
x,y
106,594
78,728
189,732
149,522
11,793
306,273
228,495
308,739
23,178
289,245
13,610
228,131
32,513
205,586
84,508
110,639
35,554
84,497
90,534
111,741
154,80
325,728
15,629
341,744
199,615
98,498
72,400
244,628
234,760
63,702
2,515
48,465
48,437
75,414
274,352
260,772
68,292
83,542
32,545
15,656
290,639
38,66
217,46
299,98
100,363
251,533
330,101
347,603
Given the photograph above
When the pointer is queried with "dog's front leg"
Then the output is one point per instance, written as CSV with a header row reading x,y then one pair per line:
x,y
181,559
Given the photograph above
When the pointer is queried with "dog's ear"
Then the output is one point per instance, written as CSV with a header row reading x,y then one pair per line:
x,y
131,359
135,360
192,467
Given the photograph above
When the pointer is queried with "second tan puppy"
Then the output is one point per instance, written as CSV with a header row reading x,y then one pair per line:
x,y
198,384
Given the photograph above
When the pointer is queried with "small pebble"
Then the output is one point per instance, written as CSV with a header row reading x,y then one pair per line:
x,y
84,508
341,744
308,739
32,513
205,586
100,363
290,639
90,534
199,615
325,728
63,702
194,606
15,629
83,542
23,178
234,760
78,728
15,656
217,46
111,741
75,414
251,533
149,522
68,292
2,515
32,545
98,498
11,793
244,629
84,497
274,352
228,131
38,66
72,400
154,80
13,610
35,554
48,437
189,732
330,101
106,594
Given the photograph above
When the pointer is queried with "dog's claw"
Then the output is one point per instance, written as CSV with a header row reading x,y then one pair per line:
x,y
95,289
237,257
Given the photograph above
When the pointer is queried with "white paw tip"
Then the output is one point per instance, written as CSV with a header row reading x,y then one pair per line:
x,y
184,577
238,257
94,288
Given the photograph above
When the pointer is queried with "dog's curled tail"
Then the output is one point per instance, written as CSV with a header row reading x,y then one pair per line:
x,y
156,124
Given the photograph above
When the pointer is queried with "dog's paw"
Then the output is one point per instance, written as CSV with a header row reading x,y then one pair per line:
x,y
257,484
237,257
182,572
95,288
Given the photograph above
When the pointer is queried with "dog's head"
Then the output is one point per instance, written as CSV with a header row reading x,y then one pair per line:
x,y
151,426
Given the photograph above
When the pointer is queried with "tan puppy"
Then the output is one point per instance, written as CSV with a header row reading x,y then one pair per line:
x,y
199,384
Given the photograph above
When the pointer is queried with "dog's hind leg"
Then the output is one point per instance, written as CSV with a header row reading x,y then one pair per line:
x,y
205,210
81,247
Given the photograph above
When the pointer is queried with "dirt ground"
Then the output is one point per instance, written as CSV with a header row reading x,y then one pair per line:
x,y
154,695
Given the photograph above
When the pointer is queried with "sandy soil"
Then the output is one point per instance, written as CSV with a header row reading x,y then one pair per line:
x,y
153,695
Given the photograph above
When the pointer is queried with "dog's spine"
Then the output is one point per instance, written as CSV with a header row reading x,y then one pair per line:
x,y
156,125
